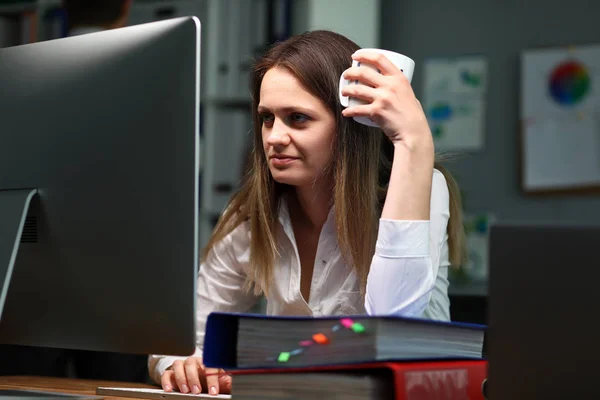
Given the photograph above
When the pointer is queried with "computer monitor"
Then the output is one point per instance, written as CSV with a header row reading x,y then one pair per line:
x,y
543,338
99,159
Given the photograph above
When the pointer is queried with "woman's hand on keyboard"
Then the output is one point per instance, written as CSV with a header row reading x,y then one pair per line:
x,y
190,376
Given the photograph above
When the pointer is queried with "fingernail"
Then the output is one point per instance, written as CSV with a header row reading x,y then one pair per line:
x,y
167,388
184,388
195,389
213,390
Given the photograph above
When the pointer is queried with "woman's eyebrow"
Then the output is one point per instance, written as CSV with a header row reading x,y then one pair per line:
x,y
287,109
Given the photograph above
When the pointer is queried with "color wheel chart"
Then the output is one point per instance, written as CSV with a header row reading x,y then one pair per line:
x,y
559,112
569,83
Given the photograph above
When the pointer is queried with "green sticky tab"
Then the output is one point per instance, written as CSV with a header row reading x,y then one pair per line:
x,y
358,327
283,357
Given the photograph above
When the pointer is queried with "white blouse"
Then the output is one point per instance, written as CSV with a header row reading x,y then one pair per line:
x,y
408,274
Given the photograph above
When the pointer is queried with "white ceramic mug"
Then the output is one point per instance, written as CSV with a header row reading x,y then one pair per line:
x,y
402,62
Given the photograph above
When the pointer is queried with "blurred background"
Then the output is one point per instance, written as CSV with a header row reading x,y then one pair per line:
x,y
508,88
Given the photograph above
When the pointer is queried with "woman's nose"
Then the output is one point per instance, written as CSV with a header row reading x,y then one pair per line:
x,y
279,134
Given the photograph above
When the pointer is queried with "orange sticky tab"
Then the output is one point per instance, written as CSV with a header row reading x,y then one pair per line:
x,y
320,338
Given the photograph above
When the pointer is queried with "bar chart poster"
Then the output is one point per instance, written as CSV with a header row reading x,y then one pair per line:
x,y
454,101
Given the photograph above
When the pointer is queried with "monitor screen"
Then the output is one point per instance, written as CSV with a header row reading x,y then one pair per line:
x,y
99,159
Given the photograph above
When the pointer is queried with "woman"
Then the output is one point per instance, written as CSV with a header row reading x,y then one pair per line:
x,y
315,226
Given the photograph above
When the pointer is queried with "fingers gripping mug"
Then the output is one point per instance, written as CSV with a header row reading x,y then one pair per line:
x,y
402,62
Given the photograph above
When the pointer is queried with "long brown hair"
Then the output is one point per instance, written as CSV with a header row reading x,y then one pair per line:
x,y
360,169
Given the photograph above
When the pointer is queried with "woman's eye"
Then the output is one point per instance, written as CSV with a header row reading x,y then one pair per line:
x,y
266,118
299,118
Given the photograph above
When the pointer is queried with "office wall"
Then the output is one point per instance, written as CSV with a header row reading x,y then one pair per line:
x,y
500,30
357,19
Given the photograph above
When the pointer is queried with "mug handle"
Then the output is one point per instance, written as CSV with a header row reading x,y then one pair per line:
x,y
343,83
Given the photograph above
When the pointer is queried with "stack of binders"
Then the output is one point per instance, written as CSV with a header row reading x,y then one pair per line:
x,y
362,357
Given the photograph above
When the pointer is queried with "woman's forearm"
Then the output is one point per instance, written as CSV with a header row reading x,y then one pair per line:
x,y
409,192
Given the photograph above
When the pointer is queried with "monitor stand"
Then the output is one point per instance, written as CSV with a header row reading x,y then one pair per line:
x,y
14,205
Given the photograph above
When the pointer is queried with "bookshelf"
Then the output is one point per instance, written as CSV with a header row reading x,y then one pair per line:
x,y
238,33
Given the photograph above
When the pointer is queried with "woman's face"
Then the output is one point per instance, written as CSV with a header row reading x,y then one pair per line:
x,y
297,129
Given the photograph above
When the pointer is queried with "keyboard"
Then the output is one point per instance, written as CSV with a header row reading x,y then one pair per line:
x,y
154,394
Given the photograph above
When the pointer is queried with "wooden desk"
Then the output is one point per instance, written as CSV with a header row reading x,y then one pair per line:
x,y
64,385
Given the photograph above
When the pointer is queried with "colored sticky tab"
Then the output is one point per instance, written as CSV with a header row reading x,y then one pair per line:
x,y
335,328
347,322
306,343
296,352
320,338
283,357
358,327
